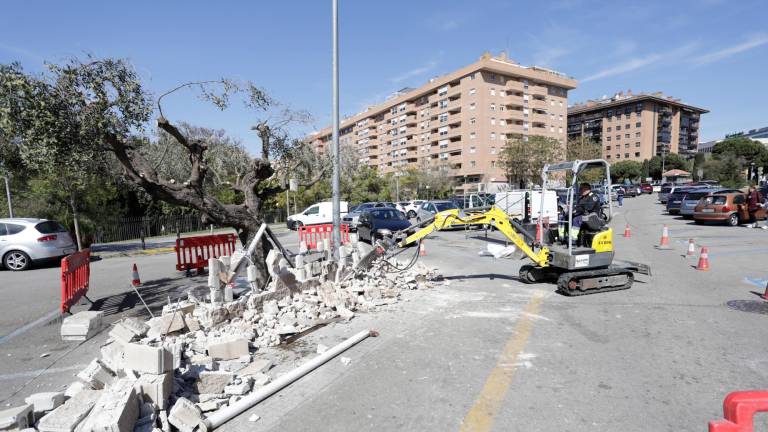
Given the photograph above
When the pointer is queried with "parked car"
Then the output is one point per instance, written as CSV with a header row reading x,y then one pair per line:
x,y
25,241
320,213
675,199
668,189
629,191
411,207
429,208
730,208
353,217
375,223
646,188
691,199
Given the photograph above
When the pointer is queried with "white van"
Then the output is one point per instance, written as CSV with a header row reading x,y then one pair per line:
x,y
319,213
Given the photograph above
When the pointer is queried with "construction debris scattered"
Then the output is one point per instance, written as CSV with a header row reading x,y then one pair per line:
x,y
207,352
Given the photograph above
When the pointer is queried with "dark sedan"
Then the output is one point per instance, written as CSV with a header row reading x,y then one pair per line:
x,y
380,222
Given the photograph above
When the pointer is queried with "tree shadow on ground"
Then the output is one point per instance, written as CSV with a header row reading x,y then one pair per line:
x,y
155,293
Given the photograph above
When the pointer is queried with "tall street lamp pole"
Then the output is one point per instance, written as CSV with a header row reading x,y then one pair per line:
x,y
336,235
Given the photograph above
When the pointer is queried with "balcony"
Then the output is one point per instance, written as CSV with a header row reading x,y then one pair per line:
x,y
537,103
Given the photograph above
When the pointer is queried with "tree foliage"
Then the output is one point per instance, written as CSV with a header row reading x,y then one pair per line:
x,y
583,148
626,170
522,161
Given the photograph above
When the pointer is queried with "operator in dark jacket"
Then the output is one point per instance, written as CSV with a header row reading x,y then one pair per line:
x,y
587,206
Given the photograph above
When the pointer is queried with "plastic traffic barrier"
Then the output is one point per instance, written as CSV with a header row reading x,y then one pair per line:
x,y
314,234
75,278
739,409
193,252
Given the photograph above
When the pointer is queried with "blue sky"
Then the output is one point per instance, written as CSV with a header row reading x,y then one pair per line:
x,y
710,53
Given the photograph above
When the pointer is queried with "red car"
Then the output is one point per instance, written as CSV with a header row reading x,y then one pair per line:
x,y
646,188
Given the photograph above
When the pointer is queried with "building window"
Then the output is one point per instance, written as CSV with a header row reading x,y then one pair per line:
x,y
637,144
609,113
443,131
472,135
443,104
626,155
618,137
493,149
502,122
472,164
472,91
559,130
472,76
493,135
443,118
607,147
501,107
608,129
493,164
493,92
626,145
637,154
442,91
618,156
637,124
626,136
493,120
618,127
607,156
502,93
472,149
551,128
637,134
608,139
472,106
493,107
472,120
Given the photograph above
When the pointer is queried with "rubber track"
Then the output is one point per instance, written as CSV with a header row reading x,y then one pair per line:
x,y
562,281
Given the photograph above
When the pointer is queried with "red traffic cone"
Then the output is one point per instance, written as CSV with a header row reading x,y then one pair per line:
x,y
691,247
703,260
422,248
136,281
538,233
765,294
627,232
664,243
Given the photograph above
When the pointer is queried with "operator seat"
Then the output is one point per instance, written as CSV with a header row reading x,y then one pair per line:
x,y
591,224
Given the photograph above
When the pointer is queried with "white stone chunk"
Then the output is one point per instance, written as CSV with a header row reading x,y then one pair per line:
x,y
66,417
96,375
43,402
185,415
155,388
16,418
148,359
116,410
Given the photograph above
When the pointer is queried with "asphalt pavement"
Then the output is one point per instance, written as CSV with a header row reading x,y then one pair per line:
x,y
483,351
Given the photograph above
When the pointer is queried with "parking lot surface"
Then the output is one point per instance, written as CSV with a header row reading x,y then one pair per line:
x,y
483,351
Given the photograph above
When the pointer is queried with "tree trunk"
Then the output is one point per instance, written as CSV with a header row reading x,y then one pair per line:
x,y
74,220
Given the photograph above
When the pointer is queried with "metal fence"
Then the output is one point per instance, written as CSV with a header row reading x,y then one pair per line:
x,y
133,228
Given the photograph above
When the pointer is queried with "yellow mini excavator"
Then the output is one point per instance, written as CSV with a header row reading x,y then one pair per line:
x,y
580,265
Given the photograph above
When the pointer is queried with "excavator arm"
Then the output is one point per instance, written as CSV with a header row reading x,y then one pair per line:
x,y
489,216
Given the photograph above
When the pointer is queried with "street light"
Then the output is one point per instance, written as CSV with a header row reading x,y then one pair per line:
x,y
336,234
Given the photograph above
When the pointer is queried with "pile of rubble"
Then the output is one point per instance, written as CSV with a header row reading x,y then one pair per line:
x,y
205,352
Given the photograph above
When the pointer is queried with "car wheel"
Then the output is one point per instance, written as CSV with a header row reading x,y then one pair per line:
x,y
698,221
411,214
17,261
733,220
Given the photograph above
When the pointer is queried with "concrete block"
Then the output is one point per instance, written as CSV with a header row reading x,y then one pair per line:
x,y
229,294
228,349
233,365
176,349
116,410
43,402
256,367
238,389
66,417
155,388
212,381
185,415
96,375
148,359
73,389
81,326
193,324
16,418
185,307
113,356
165,324
261,379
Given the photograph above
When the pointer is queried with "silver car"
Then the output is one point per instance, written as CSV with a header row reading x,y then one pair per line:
x,y
428,209
24,241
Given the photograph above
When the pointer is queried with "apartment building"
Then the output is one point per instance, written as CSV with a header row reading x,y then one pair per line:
x,y
458,122
637,126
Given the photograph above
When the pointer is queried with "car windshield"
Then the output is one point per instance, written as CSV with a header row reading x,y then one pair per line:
x,y
695,196
50,227
444,206
388,214
665,189
715,200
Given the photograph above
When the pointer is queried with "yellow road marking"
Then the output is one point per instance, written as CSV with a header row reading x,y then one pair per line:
x,y
482,414
158,250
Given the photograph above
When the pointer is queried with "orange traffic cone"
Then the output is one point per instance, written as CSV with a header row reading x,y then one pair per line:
x,y
136,281
664,244
538,233
765,294
703,260
627,232
691,247
422,248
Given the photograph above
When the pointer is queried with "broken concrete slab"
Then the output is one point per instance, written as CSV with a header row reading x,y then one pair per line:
x,y
66,417
44,402
81,326
113,356
96,375
73,389
185,415
261,379
256,367
238,389
228,349
155,388
19,417
212,381
148,359
116,410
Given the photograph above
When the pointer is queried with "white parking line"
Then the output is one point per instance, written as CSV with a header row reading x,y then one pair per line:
x,y
28,326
